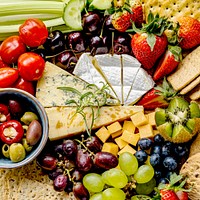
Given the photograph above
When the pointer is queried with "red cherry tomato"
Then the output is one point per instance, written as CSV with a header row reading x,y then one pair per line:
x,y
11,48
31,66
3,64
11,132
33,32
8,76
27,86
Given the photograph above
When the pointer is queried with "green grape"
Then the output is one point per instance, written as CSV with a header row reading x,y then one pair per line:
x,y
140,197
97,196
113,194
128,163
146,188
93,182
144,174
115,177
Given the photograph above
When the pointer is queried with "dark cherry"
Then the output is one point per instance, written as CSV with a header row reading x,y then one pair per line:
x,y
122,44
76,42
66,60
41,52
108,26
98,45
91,22
55,42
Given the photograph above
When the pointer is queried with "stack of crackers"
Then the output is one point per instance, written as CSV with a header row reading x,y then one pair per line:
x,y
30,183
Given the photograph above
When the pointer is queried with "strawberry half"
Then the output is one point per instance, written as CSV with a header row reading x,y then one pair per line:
x,y
168,195
182,195
168,62
189,32
157,97
149,42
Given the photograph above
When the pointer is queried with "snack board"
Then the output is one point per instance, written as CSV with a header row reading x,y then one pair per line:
x,y
31,182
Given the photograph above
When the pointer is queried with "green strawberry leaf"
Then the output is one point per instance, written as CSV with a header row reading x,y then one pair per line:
x,y
176,51
151,40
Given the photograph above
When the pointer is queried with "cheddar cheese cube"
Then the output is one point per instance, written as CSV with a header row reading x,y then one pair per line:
x,y
114,127
127,148
130,138
110,147
139,119
146,131
121,143
103,134
116,134
151,118
128,126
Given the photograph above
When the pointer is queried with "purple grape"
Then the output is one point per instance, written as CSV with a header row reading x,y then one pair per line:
x,y
105,160
83,161
60,182
55,173
70,148
80,191
93,144
77,175
47,162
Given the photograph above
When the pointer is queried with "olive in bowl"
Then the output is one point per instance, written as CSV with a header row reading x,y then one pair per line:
x,y
23,128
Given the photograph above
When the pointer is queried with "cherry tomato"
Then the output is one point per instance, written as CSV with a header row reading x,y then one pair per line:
x,y
4,113
33,32
11,48
11,132
31,66
27,86
3,64
8,76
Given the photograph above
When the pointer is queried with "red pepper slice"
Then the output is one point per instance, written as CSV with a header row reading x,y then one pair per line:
x,y
11,132
4,113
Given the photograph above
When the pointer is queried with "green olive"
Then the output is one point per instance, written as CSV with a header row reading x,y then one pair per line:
x,y
34,132
26,145
28,117
6,150
17,152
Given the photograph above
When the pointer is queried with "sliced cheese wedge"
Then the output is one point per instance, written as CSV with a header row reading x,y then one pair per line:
x,y
47,91
63,122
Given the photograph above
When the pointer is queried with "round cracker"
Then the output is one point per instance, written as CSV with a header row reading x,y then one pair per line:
x,y
191,170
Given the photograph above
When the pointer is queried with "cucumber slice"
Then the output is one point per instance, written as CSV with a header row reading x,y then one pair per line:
x,y
101,4
72,14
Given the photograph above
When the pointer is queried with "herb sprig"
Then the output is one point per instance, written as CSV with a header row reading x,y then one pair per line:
x,y
92,99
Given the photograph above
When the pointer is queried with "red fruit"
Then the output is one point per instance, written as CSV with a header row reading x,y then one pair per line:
x,y
144,53
152,100
168,62
189,32
121,21
168,195
182,195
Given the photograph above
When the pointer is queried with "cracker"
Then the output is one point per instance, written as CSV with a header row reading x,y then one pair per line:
x,y
195,147
195,93
191,170
186,71
172,9
190,86
34,190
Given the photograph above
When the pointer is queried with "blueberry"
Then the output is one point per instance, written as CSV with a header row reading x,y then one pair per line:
x,y
157,174
170,163
145,143
141,156
167,149
163,181
180,150
158,139
156,149
155,160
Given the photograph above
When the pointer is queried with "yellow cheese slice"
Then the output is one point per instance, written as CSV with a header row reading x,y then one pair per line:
x,y
63,122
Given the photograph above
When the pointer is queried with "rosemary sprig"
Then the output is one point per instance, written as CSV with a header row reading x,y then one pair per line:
x,y
91,99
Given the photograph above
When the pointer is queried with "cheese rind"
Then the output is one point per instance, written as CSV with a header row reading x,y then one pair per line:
x,y
63,122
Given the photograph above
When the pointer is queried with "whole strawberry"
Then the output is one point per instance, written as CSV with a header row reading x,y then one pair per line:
x,y
149,42
168,195
189,32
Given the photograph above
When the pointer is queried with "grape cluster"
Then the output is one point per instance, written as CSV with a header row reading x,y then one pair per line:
x,y
69,160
